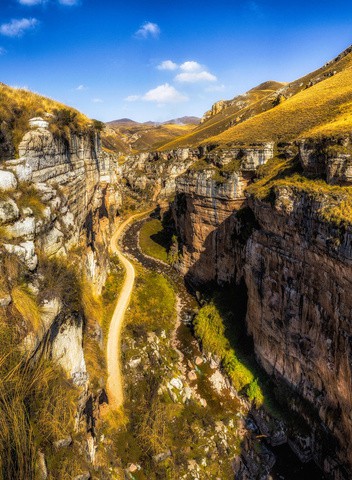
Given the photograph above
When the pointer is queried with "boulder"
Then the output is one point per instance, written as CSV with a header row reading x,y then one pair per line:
x,y
63,442
7,180
24,228
9,211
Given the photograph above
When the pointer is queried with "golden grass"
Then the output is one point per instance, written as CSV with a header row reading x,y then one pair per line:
x,y
336,201
27,306
30,197
17,106
37,407
257,98
318,110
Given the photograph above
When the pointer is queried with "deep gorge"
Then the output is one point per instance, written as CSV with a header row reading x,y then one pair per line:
x,y
236,342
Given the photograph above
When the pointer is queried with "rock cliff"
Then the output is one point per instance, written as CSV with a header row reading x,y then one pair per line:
x,y
295,265
58,203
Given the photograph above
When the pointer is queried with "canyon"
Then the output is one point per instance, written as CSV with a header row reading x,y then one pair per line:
x,y
256,228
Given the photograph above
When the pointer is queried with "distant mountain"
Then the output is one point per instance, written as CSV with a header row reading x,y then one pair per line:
x,y
125,136
120,121
183,121
187,120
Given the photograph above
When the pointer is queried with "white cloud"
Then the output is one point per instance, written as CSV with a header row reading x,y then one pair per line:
x,y
164,94
215,88
16,27
194,77
148,29
190,66
80,88
97,100
167,65
31,2
161,95
69,3
2,51
132,98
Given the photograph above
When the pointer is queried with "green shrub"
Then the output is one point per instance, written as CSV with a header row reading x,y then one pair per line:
x,y
255,394
209,328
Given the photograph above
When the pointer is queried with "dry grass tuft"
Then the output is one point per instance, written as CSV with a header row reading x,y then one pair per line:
x,y
27,306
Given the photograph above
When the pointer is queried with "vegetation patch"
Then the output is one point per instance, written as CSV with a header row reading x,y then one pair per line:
x,y
154,240
335,201
18,106
156,421
209,328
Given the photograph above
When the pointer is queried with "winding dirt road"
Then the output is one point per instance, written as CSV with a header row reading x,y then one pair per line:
x,y
113,351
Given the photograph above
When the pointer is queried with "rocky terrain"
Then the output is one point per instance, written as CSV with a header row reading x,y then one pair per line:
x,y
59,200
266,206
260,200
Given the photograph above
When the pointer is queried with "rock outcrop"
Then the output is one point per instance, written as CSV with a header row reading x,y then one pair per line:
x,y
330,157
295,266
60,195
154,174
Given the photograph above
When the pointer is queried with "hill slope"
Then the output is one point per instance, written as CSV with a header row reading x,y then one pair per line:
x,y
128,136
17,106
317,103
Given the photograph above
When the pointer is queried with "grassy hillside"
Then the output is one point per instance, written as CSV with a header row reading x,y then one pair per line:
x,y
324,108
17,106
316,104
239,109
125,137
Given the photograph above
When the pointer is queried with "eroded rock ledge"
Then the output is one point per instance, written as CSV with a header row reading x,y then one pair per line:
x,y
296,266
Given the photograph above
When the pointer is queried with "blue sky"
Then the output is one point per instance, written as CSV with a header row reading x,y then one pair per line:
x,y
154,60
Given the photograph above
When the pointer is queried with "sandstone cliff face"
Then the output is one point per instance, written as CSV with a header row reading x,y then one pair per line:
x,y
154,174
330,157
296,267
204,213
73,183
298,273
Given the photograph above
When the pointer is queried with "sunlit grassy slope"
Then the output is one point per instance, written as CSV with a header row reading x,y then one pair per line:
x,y
240,108
17,106
122,137
316,104
321,109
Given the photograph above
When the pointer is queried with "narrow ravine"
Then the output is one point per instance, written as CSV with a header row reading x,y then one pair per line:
x,y
184,344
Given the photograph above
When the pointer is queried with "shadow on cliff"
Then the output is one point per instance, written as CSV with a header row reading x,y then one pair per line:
x,y
224,248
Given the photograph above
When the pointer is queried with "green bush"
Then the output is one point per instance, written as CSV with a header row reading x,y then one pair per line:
x,y
255,394
209,328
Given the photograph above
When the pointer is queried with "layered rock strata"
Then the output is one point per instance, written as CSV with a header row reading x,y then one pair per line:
x,y
296,268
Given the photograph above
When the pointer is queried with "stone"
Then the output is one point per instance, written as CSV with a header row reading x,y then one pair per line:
x,y
162,456
5,300
134,362
133,467
83,476
25,251
63,442
38,122
192,376
9,211
7,181
24,228
198,361
177,383
67,349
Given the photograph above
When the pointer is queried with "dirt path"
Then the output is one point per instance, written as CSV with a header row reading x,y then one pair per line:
x,y
113,352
